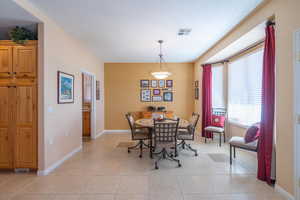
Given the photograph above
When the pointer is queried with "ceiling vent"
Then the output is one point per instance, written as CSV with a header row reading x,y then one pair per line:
x,y
184,31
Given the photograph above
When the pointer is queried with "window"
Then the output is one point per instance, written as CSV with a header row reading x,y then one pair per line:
x,y
218,87
245,89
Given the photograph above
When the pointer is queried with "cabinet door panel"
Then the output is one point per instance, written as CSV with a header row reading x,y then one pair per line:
x,y
25,148
5,149
5,61
5,121
25,61
25,139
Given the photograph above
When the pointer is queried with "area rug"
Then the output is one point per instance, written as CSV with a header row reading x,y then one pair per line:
x,y
218,157
125,144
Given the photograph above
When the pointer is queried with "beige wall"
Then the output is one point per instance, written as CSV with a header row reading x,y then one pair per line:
x,y
122,90
287,16
62,126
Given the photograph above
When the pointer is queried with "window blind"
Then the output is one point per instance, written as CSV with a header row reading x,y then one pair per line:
x,y
218,87
245,89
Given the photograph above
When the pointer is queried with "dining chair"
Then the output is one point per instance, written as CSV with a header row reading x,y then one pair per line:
x,y
139,134
188,133
165,138
218,125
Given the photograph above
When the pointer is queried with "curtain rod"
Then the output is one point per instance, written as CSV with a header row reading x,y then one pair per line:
x,y
237,54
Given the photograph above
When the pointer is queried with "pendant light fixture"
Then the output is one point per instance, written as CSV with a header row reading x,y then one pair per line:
x,y
161,74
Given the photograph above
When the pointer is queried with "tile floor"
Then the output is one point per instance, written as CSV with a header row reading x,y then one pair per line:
x,y
103,171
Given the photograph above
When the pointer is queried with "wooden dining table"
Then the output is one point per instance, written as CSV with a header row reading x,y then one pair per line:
x,y
149,123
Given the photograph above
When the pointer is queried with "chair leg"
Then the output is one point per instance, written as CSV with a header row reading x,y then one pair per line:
x,y
205,135
224,137
220,140
141,149
230,155
192,149
134,147
234,152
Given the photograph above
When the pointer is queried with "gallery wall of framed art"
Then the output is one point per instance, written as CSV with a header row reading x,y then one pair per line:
x,y
156,90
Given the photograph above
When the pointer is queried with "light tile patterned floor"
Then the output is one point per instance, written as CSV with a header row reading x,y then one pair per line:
x,y
103,171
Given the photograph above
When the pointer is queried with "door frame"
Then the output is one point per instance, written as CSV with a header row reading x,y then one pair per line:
x,y
296,64
93,105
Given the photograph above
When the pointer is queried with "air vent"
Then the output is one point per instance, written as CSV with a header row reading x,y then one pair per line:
x,y
184,31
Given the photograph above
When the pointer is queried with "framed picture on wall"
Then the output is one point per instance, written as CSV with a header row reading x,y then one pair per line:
x,y
169,83
144,83
161,83
65,88
196,93
145,95
154,83
97,90
157,98
168,96
156,92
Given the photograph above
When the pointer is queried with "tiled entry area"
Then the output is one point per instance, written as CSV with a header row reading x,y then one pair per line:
x,y
103,171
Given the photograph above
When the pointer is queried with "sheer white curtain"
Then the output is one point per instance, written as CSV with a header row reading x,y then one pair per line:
x,y
218,87
245,88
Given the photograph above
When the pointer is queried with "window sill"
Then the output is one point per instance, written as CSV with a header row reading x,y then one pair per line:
x,y
238,124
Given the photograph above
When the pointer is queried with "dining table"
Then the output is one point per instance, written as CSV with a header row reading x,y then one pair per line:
x,y
149,123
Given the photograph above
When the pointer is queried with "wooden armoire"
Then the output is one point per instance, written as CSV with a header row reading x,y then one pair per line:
x,y
18,105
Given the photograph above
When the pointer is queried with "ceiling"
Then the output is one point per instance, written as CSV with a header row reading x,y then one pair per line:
x,y
12,15
253,36
127,30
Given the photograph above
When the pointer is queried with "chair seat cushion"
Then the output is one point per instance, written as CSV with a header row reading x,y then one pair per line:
x,y
184,135
240,142
140,134
214,129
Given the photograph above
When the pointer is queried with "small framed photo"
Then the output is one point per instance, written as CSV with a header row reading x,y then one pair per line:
x,y
161,83
154,83
169,83
145,95
196,93
168,96
65,88
144,83
196,83
156,92
157,98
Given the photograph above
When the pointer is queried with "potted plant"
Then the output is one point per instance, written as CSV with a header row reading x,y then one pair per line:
x,y
21,35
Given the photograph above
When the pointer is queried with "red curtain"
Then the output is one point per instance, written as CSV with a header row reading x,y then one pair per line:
x,y
206,99
268,103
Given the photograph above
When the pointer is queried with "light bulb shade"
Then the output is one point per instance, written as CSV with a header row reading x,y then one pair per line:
x,y
161,74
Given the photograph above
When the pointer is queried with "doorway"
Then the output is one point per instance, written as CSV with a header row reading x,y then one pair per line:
x,y
88,105
297,112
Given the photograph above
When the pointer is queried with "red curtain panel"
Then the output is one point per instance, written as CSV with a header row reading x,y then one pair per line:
x,y
268,104
206,99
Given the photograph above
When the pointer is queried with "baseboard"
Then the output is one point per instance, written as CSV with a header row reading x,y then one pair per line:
x,y
284,193
99,134
116,131
58,163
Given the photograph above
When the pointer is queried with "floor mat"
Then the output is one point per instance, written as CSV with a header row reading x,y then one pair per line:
x,y
218,157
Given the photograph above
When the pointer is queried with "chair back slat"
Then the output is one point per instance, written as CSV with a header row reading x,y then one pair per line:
x,y
219,111
165,132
